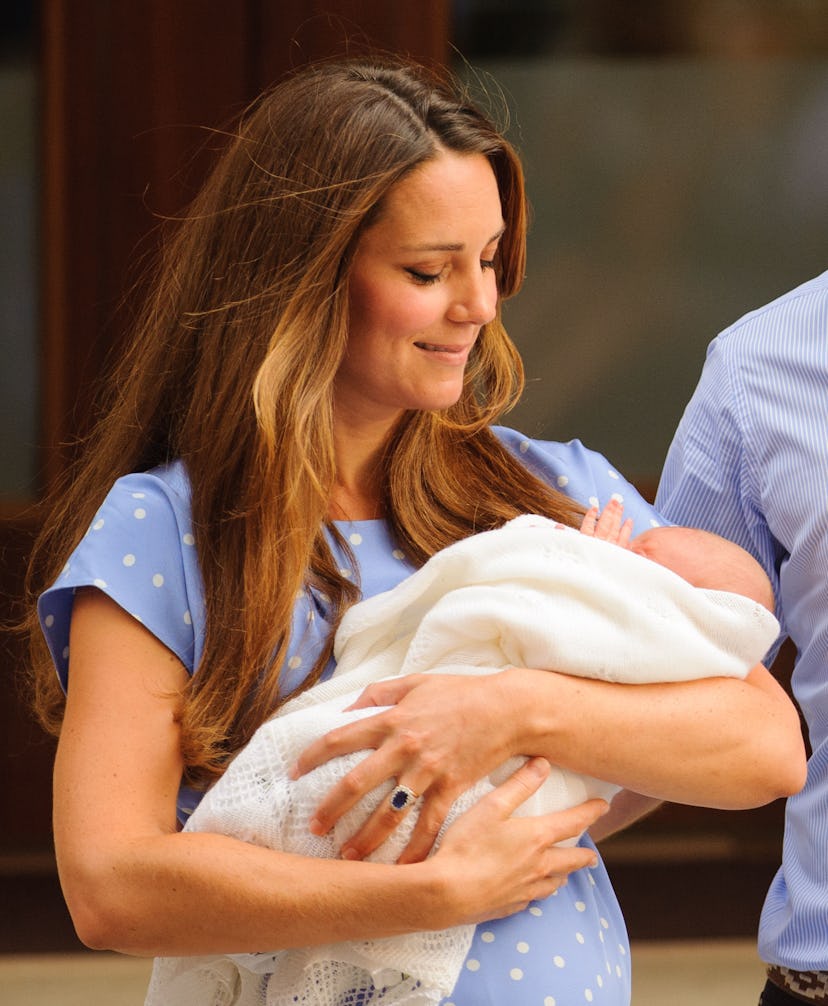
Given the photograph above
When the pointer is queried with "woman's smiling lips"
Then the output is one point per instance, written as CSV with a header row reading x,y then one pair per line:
x,y
450,354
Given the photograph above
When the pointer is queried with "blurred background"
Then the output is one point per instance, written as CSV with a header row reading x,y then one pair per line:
x,y
677,161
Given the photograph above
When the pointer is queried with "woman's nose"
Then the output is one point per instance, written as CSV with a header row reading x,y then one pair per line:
x,y
476,299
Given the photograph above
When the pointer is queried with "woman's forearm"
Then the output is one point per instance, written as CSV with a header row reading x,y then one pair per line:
x,y
202,893
716,742
145,892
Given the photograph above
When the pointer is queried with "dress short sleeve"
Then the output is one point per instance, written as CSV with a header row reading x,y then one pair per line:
x,y
140,551
580,473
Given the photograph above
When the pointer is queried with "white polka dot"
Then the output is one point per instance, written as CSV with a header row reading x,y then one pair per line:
x,y
580,937
622,950
593,501
98,524
522,947
137,617
398,554
588,995
591,878
549,1001
472,964
524,446
601,937
612,474
581,907
128,559
558,961
139,513
618,970
65,652
99,583
488,936
599,981
49,621
188,618
188,539
516,974
139,496
617,497
654,522
355,539
604,924
345,572
157,580
537,912
562,480
294,662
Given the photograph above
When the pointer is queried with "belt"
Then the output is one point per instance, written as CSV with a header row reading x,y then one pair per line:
x,y
809,986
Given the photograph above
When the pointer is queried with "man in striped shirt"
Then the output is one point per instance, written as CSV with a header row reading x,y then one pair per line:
x,y
749,460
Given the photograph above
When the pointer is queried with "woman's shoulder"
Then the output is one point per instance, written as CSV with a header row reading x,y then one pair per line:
x,y
168,482
580,472
564,460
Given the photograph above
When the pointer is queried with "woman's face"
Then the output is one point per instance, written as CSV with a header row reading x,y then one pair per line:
x,y
422,284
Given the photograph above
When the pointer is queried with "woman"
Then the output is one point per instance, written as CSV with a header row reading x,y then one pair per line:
x,y
305,416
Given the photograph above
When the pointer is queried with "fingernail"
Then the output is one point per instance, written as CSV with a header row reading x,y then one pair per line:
x,y
315,826
349,853
293,772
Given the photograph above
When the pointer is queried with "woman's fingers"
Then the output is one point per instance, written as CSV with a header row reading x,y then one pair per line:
x,y
387,692
563,825
364,777
507,861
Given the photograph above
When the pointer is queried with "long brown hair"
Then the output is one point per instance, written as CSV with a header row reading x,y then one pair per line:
x,y
232,365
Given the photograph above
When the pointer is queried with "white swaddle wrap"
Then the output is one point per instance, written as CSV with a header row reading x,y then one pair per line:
x,y
531,594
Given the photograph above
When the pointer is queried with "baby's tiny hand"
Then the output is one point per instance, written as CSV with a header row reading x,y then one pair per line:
x,y
608,525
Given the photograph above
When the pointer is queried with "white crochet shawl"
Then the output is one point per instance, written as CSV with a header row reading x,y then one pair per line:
x,y
531,594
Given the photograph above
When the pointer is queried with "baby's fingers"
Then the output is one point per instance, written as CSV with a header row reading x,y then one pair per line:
x,y
609,524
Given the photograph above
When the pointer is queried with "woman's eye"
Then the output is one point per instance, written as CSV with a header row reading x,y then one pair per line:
x,y
487,263
423,277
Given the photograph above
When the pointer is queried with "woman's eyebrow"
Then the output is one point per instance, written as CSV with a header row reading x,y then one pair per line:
x,y
451,246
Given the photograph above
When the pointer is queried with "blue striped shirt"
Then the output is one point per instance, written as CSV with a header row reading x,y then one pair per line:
x,y
750,461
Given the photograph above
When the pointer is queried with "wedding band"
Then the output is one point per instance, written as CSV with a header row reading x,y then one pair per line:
x,y
401,797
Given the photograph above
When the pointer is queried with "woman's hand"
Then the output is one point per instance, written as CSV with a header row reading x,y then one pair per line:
x,y
503,862
441,734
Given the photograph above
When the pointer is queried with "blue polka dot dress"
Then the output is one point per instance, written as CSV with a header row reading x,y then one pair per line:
x,y
571,948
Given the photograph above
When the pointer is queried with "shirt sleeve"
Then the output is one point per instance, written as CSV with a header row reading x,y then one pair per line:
x,y
713,477
139,550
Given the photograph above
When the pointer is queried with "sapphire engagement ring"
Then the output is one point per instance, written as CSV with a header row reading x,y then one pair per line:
x,y
401,798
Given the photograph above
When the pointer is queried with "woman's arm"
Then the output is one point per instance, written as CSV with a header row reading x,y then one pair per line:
x,y
715,742
135,884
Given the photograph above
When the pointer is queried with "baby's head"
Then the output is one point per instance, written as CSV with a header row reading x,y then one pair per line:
x,y
706,560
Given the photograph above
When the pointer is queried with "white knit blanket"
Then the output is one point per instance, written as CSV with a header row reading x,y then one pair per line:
x,y
531,594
